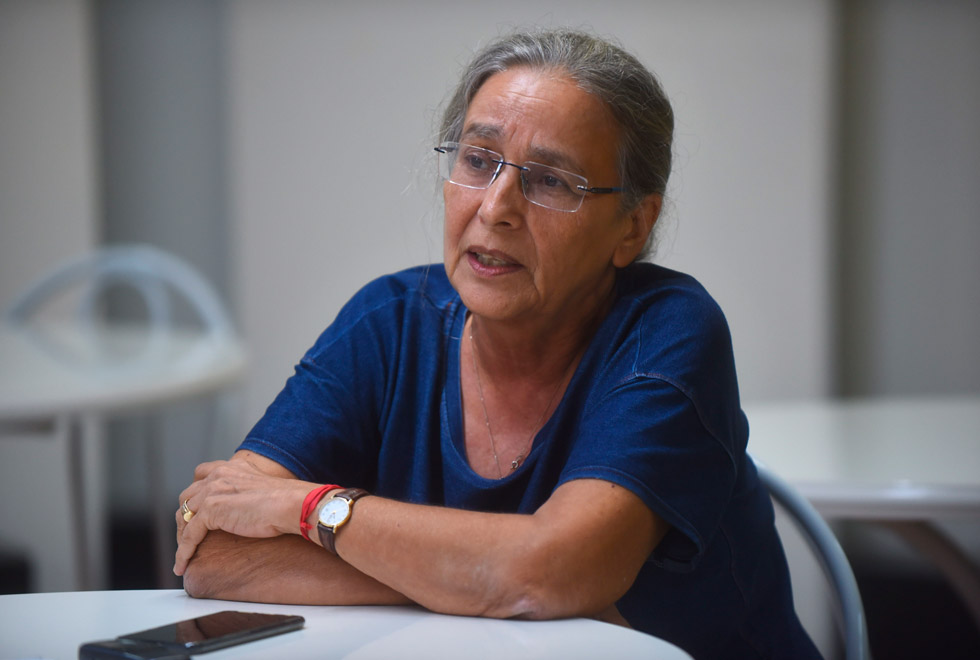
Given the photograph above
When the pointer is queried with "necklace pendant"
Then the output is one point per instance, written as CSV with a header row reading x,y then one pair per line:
x,y
516,463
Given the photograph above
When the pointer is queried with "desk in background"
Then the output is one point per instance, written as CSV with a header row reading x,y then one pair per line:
x,y
53,625
58,382
901,463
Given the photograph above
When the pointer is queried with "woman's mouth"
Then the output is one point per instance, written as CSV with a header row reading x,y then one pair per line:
x,y
488,260
491,262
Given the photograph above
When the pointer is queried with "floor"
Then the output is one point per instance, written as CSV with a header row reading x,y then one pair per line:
x,y
910,618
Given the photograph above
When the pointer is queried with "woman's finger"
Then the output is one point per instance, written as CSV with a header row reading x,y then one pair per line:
x,y
204,469
187,541
179,520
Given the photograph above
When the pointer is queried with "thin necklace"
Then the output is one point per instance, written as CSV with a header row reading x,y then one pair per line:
x,y
516,463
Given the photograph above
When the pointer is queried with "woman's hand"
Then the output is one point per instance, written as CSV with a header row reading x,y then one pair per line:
x,y
238,497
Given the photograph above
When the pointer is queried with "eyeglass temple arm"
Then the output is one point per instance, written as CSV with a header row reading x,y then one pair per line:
x,y
599,191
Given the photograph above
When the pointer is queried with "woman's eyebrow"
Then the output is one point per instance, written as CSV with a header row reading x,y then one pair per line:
x,y
554,158
478,130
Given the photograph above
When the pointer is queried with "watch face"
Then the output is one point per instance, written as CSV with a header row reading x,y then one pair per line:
x,y
335,511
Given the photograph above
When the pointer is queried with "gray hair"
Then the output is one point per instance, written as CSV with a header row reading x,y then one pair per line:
x,y
615,77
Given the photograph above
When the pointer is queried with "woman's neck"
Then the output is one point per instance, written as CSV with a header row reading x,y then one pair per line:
x,y
542,352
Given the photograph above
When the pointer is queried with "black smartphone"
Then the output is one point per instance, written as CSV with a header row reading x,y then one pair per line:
x,y
192,636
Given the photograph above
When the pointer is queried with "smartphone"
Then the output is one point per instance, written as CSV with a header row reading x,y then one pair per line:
x,y
192,636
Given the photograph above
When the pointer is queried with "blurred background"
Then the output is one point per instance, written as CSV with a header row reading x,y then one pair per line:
x,y
825,192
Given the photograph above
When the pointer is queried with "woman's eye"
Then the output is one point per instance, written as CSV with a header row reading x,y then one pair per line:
x,y
551,181
476,161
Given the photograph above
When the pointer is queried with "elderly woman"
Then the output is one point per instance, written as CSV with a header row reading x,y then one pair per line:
x,y
541,427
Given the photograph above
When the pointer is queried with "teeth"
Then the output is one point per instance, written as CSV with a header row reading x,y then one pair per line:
x,y
487,260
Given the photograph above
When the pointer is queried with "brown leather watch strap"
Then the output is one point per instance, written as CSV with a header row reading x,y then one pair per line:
x,y
328,535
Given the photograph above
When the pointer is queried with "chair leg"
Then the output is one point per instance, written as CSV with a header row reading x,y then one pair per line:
x,y
86,466
76,486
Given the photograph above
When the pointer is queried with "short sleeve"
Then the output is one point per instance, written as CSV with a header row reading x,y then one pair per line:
x,y
327,414
647,436
662,415
370,376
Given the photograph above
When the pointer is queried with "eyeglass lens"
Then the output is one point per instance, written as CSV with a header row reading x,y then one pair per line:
x,y
475,167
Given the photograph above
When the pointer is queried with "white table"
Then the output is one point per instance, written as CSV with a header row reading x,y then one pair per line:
x,y
901,463
55,380
54,625
61,371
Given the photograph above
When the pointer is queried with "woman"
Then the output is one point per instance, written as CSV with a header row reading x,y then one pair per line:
x,y
543,427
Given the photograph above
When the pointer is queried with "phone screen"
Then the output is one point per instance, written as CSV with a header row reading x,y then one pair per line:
x,y
217,630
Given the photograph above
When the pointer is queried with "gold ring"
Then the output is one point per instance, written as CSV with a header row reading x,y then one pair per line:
x,y
188,514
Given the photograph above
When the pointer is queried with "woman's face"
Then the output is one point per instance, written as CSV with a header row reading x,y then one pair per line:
x,y
510,259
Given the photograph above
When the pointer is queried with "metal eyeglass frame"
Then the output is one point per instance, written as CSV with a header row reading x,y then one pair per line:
x,y
498,159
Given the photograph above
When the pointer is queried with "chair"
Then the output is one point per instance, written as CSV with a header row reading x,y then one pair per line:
x,y
152,273
119,366
832,560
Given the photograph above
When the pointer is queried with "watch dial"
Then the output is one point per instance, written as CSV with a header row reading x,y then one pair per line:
x,y
334,511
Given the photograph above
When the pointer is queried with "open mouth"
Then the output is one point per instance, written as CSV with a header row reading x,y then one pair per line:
x,y
488,260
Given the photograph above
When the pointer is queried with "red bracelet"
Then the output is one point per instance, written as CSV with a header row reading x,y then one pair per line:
x,y
309,504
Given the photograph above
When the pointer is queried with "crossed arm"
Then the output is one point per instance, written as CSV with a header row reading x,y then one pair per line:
x,y
575,556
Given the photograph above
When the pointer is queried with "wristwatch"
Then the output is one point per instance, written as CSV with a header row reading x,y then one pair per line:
x,y
334,514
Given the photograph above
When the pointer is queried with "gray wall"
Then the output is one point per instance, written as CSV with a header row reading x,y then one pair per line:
x,y
48,158
908,281
161,132
48,212
161,128
907,267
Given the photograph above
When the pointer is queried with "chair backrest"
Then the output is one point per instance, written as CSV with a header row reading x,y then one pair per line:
x,y
831,558
157,276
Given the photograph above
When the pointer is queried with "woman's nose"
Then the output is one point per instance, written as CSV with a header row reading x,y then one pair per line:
x,y
504,201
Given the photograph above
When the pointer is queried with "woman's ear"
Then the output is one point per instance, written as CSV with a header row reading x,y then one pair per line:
x,y
641,221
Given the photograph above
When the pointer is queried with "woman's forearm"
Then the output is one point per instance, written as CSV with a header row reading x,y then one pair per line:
x,y
576,556
282,569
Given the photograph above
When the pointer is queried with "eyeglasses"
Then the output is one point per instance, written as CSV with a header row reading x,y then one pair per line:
x,y
550,187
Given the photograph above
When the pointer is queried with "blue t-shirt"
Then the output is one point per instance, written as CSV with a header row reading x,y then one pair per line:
x,y
653,406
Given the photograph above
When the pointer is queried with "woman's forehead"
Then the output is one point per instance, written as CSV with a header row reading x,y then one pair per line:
x,y
549,115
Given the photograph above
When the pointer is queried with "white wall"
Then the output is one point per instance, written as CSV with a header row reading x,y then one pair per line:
x,y
321,92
